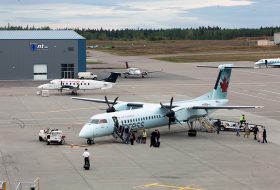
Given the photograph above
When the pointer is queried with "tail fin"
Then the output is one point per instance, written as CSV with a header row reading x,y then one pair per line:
x,y
221,85
126,64
112,78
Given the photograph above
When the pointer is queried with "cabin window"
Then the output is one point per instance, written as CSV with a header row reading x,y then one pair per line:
x,y
88,83
130,120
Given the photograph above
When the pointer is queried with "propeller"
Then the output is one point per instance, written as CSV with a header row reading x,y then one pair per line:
x,y
111,108
60,86
170,113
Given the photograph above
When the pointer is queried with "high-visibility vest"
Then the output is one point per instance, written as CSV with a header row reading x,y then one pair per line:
x,y
144,134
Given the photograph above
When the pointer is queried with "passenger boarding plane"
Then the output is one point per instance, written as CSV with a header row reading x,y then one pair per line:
x,y
76,84
132,71
140,115
268,62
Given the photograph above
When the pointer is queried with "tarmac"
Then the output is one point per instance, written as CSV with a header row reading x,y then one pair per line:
x,y
209,161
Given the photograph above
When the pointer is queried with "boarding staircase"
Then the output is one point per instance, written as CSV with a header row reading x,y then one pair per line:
x,y
119,133
207,124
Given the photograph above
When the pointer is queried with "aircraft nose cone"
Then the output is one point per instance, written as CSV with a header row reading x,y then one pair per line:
x,y
41,86
87,132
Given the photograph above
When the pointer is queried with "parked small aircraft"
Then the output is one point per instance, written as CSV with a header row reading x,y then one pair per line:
x,y
268,62
76,84
140,115
132,71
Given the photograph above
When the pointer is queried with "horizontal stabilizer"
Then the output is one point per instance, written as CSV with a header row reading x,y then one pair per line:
x,y
94,100
225,107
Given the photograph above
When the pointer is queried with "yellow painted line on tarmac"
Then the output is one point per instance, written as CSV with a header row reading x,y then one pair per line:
x,y
65,110
76,146
190,187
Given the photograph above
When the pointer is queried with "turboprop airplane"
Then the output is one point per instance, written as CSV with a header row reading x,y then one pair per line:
x,y
76,84
268,62
133,71
140,115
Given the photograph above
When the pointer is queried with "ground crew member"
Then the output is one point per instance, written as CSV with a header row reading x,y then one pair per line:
x,y
242,119
264,135
144,136
86,155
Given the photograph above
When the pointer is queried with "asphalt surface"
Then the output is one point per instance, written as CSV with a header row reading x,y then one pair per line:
x,y
208,161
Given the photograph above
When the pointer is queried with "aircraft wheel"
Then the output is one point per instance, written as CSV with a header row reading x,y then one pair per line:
x,y
192,133
41,139
142,76
125,76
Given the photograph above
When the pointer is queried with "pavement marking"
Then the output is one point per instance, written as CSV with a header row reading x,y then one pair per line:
x,y
190,187
259,73
267,99
270,92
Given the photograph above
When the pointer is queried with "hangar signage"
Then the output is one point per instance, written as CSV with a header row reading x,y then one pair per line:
x,y
38,46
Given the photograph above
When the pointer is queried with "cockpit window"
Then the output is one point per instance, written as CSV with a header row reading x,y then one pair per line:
x,y
98,121
102,121
94,121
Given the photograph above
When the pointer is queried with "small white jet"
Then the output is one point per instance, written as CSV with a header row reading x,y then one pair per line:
x,y
268,62
77,84
132,71
140,115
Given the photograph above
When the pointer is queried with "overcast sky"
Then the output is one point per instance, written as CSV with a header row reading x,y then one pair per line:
x,y
118,14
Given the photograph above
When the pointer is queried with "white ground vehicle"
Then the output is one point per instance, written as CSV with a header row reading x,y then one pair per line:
x,y
87,75
52,136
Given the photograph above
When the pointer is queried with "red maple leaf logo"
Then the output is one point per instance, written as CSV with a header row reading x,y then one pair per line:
x,y
224,84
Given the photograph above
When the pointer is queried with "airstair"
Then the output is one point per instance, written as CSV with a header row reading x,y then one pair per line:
x,y
207,124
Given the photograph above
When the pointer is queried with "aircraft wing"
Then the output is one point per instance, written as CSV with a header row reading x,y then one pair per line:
x,y
146,72
224,107
129,104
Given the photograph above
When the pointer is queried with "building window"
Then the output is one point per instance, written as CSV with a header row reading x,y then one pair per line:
x,y
70,48
67,71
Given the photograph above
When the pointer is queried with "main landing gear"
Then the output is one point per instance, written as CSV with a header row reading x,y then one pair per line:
x,y
191,132
90,141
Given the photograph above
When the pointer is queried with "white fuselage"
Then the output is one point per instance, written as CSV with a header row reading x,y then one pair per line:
x,y
150,116
134,71
70,84
268,62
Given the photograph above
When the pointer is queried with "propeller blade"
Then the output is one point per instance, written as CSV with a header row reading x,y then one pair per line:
x,y
163,106
171,102
115,100
106,99
169,123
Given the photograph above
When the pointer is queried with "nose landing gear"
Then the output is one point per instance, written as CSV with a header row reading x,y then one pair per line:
x,y
90,141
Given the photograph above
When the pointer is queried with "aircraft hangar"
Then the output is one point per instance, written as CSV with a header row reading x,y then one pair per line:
x,y
41,54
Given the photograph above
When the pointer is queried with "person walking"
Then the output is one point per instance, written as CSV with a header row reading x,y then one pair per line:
x,y
158,135
255,131
144,136
264,136
246,130
260,135
86,155
237,129
132,138
218,126
153,138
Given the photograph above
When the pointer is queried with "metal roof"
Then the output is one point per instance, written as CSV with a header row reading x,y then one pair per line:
x,y
39,35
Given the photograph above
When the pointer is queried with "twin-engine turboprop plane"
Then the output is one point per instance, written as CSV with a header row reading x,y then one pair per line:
x,y
76,84
140,115
133,71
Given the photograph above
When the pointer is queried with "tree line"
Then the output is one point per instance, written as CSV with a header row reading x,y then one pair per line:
x,y
200,33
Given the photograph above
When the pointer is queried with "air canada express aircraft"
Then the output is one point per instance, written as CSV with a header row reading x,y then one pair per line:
x,y
77,84
140,115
